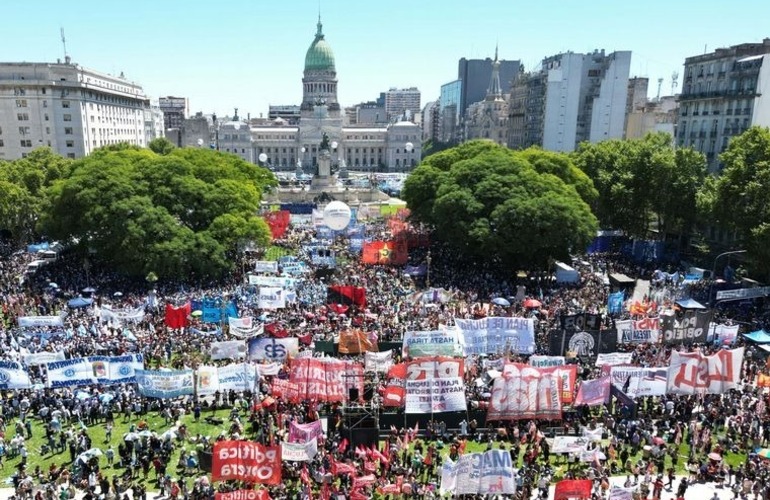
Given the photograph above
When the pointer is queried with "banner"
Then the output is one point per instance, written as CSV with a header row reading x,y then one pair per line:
x,y
620,493
273,281
497,335
246,461
284,390
228,349
356,237
177,317
614,358
432,343
694,373
563,445
378,361
582,343
243,495
13,376
121,316
244,328
395,390
594,392
691,328
273,349
355,341
638,331
346,295
573,488
525,392
116,369
646,382
580,322
165,384
385,252
271,298
278,222
299,452
723,334
615,302
266,266
37,321
546,361
41,358
326,379
69,373
214,310
239,377
435,395
567,377
488,473
302,433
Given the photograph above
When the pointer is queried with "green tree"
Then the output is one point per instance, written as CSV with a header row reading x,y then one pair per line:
x,y
161,146
490,202
184,213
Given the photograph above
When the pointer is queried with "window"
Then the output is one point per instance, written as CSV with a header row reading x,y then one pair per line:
x,y
23,117
67,118
71,155
1,143
48,130
23,130
70,144
20,91
68,130
21,103
65,104
46,117
26,143
43,90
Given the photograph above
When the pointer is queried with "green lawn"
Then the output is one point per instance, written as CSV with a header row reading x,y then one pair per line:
x,y
275,252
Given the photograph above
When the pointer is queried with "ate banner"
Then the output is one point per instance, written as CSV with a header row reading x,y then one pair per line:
x,y
582,343
573,488
691,327
594,392
385,252
246,461
525,392
434,385
694,373
326,379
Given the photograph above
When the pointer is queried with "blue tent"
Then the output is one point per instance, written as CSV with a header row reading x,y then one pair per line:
x,y
759,337
80,302
690,304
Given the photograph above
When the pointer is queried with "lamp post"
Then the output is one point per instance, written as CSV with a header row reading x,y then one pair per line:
x,y
262,159
408,147
427,271
714,272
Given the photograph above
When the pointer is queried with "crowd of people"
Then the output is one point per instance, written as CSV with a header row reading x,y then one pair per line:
x,y
664,436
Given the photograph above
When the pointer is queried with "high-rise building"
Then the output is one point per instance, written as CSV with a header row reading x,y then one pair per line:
x,y
488,119
571,99
431,114
475,74
724,93
449,104
72,109
174,109
402,102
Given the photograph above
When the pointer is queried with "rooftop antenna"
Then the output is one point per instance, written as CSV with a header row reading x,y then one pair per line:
x,y
674,81
660,84
64,44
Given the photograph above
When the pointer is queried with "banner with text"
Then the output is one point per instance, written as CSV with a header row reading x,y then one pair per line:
x,y
13,376
525,392
694,373
378,361
165,384
228,349
299,452
638,331
246,461
488,473
497,335
326,379
273,349
432,343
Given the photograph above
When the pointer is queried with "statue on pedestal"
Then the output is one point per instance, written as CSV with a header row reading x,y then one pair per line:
x,y
324,142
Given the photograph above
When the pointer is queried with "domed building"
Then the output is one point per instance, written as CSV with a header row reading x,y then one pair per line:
x,y
394,148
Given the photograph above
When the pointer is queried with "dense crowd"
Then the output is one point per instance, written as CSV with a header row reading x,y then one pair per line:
x,y
646,445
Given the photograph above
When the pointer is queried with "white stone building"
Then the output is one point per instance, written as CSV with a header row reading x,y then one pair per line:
x,y
72,109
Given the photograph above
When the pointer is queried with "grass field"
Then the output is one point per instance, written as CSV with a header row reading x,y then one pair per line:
x,y
275,252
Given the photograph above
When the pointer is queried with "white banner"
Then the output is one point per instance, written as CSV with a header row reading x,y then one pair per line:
x,y
207,379
614,358
273,349
127,315
41,358
620,493
562,445
238,377
723,334
299,452
70,373
435,395
165,384
432,343
269,369
116,369
378,361
271,298
13,376
641,381
694,373
546,361
638,331
497,335
593,435
228,349
33,321
488,473
266,266
273,281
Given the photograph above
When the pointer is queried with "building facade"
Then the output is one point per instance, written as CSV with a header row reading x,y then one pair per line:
x,y
174,109
488,119
390,147
656,115
475,75
430,121
72,109
724,93
571,99
449,111
289,112
402,104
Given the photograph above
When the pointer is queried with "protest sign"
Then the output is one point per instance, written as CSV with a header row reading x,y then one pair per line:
x,y
246,461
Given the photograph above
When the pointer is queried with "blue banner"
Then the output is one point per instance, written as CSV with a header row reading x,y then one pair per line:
x,y
356,238
615,302
165,384
213,312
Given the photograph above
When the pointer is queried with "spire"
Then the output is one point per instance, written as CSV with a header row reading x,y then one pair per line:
x,y
320,32
495,90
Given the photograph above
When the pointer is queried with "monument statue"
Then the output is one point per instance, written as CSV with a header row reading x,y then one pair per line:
x,y
324,142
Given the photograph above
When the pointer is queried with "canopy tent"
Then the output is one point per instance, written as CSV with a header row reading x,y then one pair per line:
x,y
758,337
80,302
690,304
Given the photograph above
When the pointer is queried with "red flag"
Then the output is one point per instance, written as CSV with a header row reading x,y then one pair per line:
x,y
573,488
177,317
343,445
304,476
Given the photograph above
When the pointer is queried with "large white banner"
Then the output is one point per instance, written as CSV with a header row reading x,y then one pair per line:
x,y
495,335
694,373
165,384
432,343
562,445
299,452
266,266
273,349
33,321
722,334
378,361
13,376
70,373
614,358
638,331
41,358
120,316
239,377
228,349
488,473
116,369
271,298
273,281
435,395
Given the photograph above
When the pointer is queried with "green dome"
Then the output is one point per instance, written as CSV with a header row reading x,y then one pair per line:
x,y
319,56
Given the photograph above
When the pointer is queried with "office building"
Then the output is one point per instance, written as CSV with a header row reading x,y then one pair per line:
x,y
724,92
449,111
69,108
174,109
475,75
402,104
431,114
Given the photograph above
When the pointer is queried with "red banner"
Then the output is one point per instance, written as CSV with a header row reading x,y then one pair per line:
x,y
284,390
594,392
346,294
424,368
176,317
525,392
395,391
328,380
567,374
385,252
246,461
243,495
573,488
278,222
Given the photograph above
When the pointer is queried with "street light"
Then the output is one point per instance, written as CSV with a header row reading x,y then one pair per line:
x,y
427,271
714,271
409,147
262,158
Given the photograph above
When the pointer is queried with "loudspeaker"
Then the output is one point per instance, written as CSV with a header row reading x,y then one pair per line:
x,y
366,437
205,460
353,394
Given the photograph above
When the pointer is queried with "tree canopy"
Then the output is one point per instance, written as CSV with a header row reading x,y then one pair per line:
x,y
489,202
180,213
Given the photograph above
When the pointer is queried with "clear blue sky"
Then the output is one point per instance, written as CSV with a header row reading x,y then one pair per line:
x,y
250,53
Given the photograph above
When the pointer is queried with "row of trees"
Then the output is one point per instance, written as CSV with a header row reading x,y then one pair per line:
x,y
171,212
524,207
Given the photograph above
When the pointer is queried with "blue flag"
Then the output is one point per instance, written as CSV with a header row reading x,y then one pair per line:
x,y
615,302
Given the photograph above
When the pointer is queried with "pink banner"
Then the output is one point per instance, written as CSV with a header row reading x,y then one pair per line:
x,y
326,379
302,433
594,392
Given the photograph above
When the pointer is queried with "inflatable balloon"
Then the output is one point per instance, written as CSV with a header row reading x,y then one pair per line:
x,y
337,215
